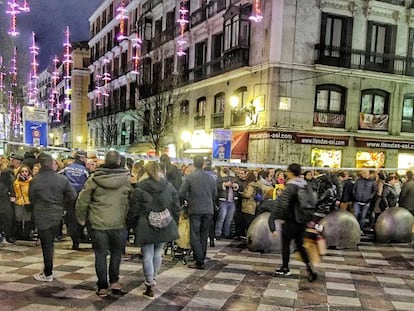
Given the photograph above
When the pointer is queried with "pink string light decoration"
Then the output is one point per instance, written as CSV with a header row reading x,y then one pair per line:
x,y
2,74
98,91
67,62
136,48
54,93
34,50
122,16
14,9
183,22
13,68
257,12
106,78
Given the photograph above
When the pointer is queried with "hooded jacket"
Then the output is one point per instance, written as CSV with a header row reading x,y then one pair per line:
x,y
104,199
77,174
151,195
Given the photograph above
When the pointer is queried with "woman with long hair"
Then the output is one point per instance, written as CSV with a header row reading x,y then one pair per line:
x,y
153,195
22,206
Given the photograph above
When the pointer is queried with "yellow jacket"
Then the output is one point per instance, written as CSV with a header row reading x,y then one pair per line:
x,y
21,189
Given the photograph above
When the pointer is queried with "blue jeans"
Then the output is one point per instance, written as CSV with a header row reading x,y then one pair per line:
x,y
224,218
104,242
360,212
47,238
151,261
199,230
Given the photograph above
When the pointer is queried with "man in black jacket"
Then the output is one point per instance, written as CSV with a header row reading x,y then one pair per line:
x,y
285,207
49,193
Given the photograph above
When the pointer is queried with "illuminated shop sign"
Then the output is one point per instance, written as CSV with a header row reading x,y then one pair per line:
x,y
384,144
272,135
322,140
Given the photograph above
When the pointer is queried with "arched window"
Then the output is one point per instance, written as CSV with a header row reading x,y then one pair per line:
x,y
407,120
201,106
219,102
374,110
330,98
184,107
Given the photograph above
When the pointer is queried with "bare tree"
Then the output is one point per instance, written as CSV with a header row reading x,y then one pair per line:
x,y
108,130
156,115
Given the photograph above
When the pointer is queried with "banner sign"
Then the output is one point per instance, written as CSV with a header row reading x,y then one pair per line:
x,y
384,144
35,129
328,119
222,144
309,139
272,135
373,121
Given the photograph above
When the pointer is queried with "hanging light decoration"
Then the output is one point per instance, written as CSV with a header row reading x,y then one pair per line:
x,y
34,78
257,12
13,68
67,62
106,78
14,9
136,50
123,17
53,104
183,22
2,74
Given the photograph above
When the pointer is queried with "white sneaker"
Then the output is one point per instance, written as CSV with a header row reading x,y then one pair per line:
x,y
42,277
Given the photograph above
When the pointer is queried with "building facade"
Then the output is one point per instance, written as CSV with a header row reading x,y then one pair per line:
x,y
324,82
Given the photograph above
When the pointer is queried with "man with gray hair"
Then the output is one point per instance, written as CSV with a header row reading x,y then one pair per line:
x,y
104,203
199,188
49,193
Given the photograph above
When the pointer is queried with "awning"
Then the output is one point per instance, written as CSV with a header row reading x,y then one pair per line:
x,y
240,145
198,151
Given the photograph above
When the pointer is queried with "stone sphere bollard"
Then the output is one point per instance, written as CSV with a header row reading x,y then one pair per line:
x,y
394,225
260,239
341,230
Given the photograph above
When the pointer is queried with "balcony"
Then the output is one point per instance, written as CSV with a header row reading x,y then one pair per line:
x,y
214,7
199,122
238,118
198,16
360,59
324,119
217,120
396,2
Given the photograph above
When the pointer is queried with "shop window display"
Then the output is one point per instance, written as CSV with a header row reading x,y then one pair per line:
x,y
405,162
370,159
326,157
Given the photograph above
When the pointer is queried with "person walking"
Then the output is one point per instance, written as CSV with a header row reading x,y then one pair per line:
x,y
7,199
286,207
49,194
364,191
200,189
104,203
153,194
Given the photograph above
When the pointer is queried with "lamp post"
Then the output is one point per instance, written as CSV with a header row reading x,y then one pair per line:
x,y
185,138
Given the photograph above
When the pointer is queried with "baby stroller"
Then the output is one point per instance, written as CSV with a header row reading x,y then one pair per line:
x,y
180,249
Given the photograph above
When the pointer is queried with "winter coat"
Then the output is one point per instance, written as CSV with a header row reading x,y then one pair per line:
x,y
285,205
77,174
30,160
200,189
144,199
174,176
364,190
407,196
326,202
21,190
6,188
223,190
104,199
389,197
49,194
347,195
249,204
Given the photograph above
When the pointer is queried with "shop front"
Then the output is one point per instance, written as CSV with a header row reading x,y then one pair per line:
x,y
370,159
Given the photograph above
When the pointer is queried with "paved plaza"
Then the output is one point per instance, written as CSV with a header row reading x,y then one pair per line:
x,y
374,277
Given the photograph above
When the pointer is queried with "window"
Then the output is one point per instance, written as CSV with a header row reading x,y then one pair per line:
x,y
184,108
123,133
381,39
335,40
146,125
330,98
410,52
200,59
241,94
236,27
132,132
408,114
201,106
374,102
219,102
217,46
374,110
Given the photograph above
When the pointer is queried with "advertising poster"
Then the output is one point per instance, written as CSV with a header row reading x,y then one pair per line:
x,y
222,144
35,125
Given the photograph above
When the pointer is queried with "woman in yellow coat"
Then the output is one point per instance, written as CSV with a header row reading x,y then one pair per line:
x,y
22,207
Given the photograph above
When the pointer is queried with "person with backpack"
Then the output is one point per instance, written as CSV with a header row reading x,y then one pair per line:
x,y
295,206
326,197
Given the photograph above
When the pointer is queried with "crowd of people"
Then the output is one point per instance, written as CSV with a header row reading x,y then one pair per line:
x,y
102,201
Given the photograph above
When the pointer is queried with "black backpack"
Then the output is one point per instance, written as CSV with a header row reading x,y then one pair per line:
x,y
307,205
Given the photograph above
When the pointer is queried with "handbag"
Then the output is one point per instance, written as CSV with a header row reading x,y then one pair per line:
x,y
159,220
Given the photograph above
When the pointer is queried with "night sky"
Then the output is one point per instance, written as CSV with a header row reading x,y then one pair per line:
x,y
48,19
